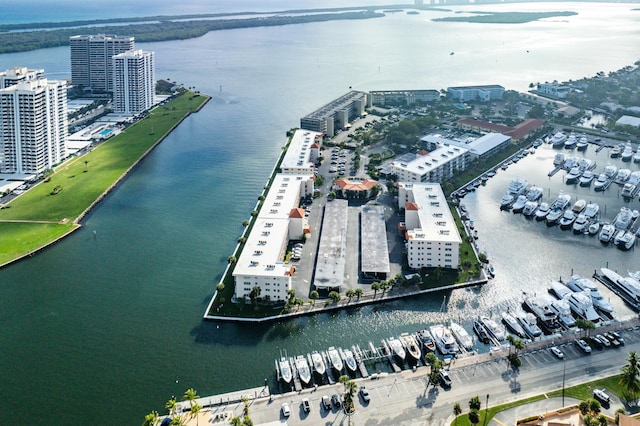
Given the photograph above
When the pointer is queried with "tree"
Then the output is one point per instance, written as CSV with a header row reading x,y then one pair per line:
x,y
585,325
255,293
358,292
629,379
335,296
220,287
86,163
314,294
171,406
150,419
350,389
457,410
375,287
474,417
236,421
190,395
350,293
618,412
602,420
195,411
436,365
474,403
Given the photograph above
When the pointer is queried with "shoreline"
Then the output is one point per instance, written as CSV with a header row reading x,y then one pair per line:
x,y
76,222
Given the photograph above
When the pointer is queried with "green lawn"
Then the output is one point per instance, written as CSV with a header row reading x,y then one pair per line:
x,y
83,179
19,239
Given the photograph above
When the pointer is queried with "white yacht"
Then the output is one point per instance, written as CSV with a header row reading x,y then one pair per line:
x,y
571,141
607,232
519,204
554,216
624,240
582,306
579,205
444,340
573,176
567,219
563,311
558,160
594,227
616,151
493,328
410,344
513,325
623,219
610,170
581,224
530,208
622,176
558,140
540,306
591,210
630,188
461,335
350,360
318,363
543,211
529,324
534,193
583,143
517,187
506,201
303,369
396,347
585,164
586,179
334,359
580,283
627,287
627,153
285,369
559,289
601,182
636,156
562,202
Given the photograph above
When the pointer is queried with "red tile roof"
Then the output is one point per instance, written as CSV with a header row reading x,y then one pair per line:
x,y
411,206
356,185
297,213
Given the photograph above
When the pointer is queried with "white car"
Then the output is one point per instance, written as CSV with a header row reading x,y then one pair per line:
x,y
286,411
601,394
557,352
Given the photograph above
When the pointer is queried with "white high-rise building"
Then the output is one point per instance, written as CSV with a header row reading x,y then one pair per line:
x,y
91,65
17,74
33,126
133,82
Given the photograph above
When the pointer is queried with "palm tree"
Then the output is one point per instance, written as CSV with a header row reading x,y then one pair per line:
x,y
629,379
190,395
474,403
375,287
176,421
150,419
171,406
457,410
235,421
585,325
195,412
358,292
350,389
350,293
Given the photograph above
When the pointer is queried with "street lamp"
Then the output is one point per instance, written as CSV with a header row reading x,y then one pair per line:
x,y
564,371
486,410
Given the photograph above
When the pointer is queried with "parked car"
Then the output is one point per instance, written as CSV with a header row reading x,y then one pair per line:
x,y
335,400
445,378
612,339
286,411
557,352
603,340
601,395
306,405
618,337
326,402
364,394
584,347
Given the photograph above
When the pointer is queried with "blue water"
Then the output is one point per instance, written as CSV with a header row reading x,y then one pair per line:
x,y
109,326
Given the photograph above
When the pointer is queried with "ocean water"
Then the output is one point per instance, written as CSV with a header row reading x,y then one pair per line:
x,y
110,327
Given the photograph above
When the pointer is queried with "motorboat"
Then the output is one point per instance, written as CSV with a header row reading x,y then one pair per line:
x,y
411,346
570,162
607,232
601,182
480,331
303,369
506,201
426,340
573,176
285,369
558,140
558,160
554,216
529,208
579,205
534,193
581,224
350,360
610,170
395,345
543,211
461,335
558,289
623,218
616,151
582,306
585,164
562,202
567,219
582,143
630,188
517,187
513,325
580,283
334,359
529,323
622,176
591,210
540,306
518,205
594,228
444,340
627,153
627,287
563,311
318,363
493,328
625,240
586,179
636,156
571,141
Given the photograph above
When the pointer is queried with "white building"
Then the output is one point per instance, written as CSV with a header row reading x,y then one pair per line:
x,y
480,93
484,146
33,126
302,153
628,120
553,89
279,220
91,65
15,75
337,114
133,82
434,166
431,233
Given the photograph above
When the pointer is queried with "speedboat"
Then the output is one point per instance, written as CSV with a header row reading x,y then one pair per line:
x,y
512,324
627,153
582,143
582,306
554,216
567,219
636,156
529,208
616,151
517,187
285,370
585,164
627,287
579,205
601,182
558,140
586,178
334,359
559,289
303,369
623,219
591,210
562,202
607,232
534,193
411,346
529,324
622,176
493,328
480,331
318,363
543,211
580,283
426,340
563,311
624,240
540,306
594,228
627,190
445,342
558,160
571,141
350,360
573,176
395,345
519,204
610,170
581,224
506,201
461,335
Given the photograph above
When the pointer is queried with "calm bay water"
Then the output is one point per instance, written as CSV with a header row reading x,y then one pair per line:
x,y
102,330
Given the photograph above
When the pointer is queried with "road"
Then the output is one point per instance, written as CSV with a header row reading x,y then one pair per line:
x,y
406,399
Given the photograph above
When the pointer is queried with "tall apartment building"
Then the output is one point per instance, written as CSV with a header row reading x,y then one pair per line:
x,y
133,82
33,126
91,64
337,114
15,75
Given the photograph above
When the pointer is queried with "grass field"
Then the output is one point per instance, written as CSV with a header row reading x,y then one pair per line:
x,y
82,180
